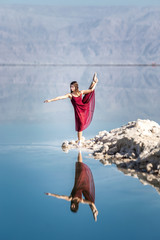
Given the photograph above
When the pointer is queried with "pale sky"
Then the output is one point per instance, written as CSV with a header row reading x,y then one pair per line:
x,y
85,2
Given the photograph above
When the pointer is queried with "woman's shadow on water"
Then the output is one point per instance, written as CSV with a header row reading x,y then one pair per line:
x,y
83,185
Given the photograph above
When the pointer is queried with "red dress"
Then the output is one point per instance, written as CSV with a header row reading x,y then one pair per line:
x,y
84,183
84,109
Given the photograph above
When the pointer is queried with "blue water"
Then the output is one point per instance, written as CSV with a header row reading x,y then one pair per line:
x,y
126,207
32,161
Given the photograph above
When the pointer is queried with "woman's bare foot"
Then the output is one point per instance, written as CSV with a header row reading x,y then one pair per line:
x,y
95,213
94,81
79,142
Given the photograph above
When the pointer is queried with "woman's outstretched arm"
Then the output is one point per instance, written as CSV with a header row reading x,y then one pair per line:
x,y
67,198
59,98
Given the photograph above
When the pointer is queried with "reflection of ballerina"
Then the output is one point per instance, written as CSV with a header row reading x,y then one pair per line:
x,y
84,184
83,106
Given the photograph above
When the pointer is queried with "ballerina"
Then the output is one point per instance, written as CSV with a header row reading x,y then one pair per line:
x,y
84,184
83,105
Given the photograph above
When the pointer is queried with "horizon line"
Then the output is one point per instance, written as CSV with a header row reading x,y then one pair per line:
x,y
80,64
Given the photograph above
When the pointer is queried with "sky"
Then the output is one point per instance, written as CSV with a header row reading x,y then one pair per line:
x,y
85,2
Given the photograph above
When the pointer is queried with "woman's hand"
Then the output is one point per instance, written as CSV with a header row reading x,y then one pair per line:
x,y
46,101
59,98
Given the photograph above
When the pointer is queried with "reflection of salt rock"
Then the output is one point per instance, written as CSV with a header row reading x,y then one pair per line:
x,y
66,150
149,178
118,155
98,155
149,167
65,144
105,162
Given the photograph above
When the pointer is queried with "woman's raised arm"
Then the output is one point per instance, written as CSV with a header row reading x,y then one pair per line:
x,y
59,98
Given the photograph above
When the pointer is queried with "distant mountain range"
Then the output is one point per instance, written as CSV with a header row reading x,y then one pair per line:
x,y
38,34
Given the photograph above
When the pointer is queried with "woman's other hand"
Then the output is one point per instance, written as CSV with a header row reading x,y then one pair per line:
x,y
46,101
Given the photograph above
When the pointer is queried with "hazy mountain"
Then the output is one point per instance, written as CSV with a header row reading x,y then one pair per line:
x,y
79,34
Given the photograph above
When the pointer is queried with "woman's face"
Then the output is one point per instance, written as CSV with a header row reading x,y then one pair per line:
x,y
72,88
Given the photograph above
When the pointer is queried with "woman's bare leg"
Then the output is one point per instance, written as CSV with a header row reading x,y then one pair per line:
x,y
80,136
79,157
94,81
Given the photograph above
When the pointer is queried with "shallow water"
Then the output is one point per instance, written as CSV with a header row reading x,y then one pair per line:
x,y
32,162
126,207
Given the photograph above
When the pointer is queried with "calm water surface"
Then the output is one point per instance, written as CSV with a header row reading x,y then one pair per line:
x,y
32,162
126,207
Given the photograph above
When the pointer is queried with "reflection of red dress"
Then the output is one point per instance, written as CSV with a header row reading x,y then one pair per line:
x,y
84,183
84,109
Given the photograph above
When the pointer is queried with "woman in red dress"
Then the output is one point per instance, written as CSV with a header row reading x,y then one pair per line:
x,y
83,185
83,105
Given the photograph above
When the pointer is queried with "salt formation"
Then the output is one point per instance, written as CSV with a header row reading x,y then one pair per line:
x,y
135,146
